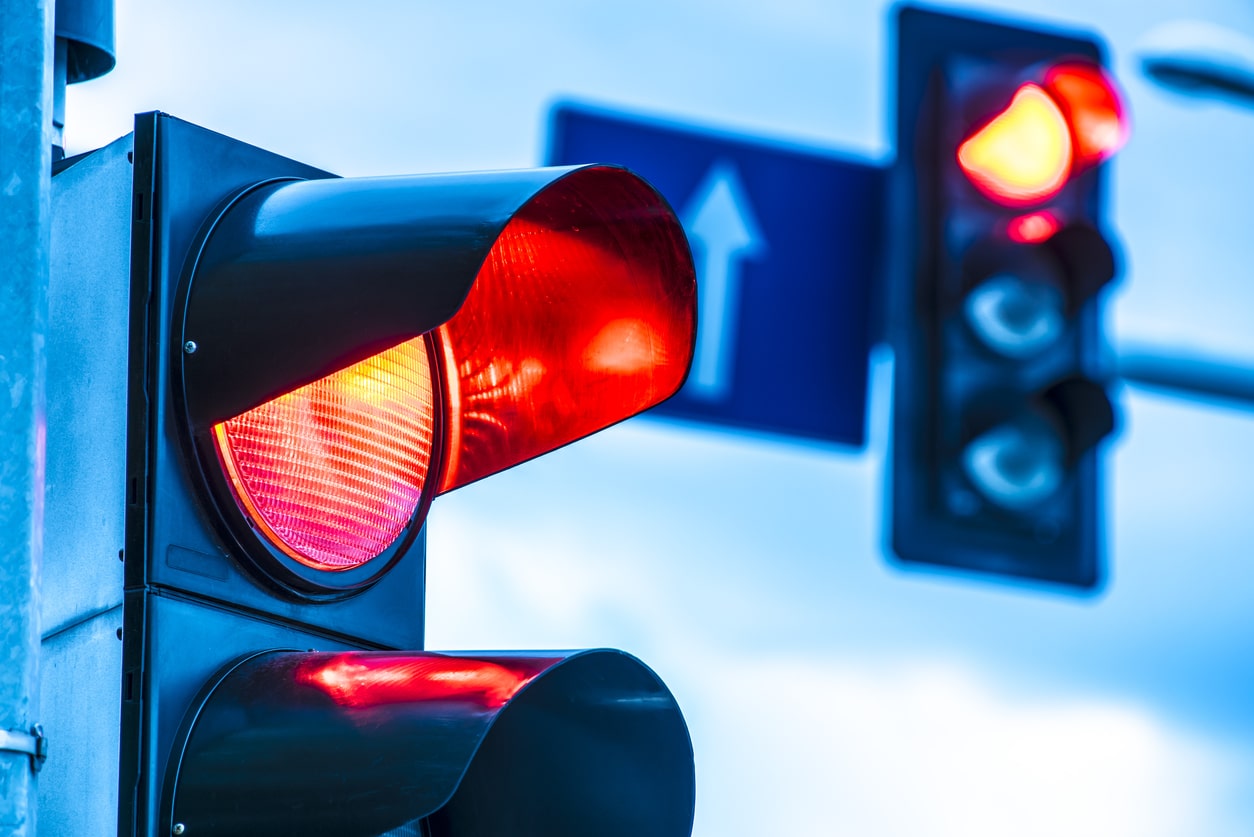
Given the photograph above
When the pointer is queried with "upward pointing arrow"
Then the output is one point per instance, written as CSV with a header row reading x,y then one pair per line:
x,y
724,232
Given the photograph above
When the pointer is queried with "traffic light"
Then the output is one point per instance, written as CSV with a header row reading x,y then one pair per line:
x,y
999,259
312,360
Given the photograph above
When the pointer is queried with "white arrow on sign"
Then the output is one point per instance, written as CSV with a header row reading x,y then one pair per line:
x,y
723,231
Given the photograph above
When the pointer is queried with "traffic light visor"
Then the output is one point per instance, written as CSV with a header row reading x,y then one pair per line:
x,y
480,745
351,347
581,316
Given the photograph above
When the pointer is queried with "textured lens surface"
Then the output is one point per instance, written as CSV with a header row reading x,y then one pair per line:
x,y
332,473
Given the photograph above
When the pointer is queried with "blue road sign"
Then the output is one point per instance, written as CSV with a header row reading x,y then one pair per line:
x,y
787,247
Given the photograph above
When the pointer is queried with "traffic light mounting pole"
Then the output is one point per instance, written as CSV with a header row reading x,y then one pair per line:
x,y
1185,373
26,154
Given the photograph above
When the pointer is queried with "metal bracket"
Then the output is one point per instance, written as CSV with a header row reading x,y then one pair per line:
x,y
33,744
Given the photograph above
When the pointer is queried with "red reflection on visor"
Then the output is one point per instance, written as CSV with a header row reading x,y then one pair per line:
x,y
1033,228
361,680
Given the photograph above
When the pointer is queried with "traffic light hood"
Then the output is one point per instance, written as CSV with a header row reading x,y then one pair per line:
x,y
483,745
296,279
351,347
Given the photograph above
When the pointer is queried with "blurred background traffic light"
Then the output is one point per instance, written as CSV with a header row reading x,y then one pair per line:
x,y
1000,257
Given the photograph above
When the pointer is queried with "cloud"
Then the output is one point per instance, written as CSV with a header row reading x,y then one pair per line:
x,y
516,582
804,747
853,739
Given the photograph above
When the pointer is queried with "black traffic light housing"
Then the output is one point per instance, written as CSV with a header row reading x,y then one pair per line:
x,y
994,306
263,695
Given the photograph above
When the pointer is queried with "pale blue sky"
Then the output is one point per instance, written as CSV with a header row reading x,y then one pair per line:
x,y
827,692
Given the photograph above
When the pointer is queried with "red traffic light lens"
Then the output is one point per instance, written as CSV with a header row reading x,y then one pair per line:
x,y
333,472
1023,154
582,315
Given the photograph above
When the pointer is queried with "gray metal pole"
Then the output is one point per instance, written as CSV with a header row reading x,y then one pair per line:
x,y
26,37
1187,374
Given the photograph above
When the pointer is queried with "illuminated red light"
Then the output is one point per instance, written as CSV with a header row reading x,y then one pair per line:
x,y
332,472
1033,228
1098,119
1026,153
362,680
1023,154
582,315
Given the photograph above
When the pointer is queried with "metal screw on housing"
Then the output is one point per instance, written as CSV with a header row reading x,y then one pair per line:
x,y
178,829
190,347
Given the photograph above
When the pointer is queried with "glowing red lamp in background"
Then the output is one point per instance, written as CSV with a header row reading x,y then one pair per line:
x,y
1026,153
1023,155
